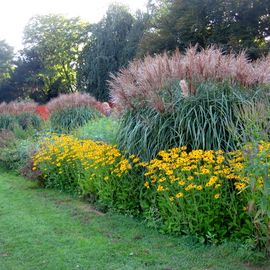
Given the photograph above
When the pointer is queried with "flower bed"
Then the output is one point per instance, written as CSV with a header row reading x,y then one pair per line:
x,y
210,194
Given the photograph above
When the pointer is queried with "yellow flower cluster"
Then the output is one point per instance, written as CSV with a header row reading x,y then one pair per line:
x,y
260,152
58,152
180,172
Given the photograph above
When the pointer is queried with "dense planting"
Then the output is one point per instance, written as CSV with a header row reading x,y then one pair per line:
x,y
203,193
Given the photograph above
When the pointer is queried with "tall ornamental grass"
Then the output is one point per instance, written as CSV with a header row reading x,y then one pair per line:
x,y
73,100
16,108
208,120
192,100
68,119
144,83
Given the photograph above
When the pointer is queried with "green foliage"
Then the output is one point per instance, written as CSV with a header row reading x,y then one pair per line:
x,y
52,45
8,121
17,155
257,168
71,118
23,125
101,129
113,43
199,122
27,120
6,60
200,193
234,25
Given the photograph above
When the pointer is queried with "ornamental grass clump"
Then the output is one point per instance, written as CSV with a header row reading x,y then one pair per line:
x,y
73,100
68,119
16,108
203,121
191,99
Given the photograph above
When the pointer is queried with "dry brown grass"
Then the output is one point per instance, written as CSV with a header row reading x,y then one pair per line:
x,y
143,80
15,108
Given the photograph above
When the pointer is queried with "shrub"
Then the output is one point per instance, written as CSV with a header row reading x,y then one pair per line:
x,y
101,129
71,118
7,138
255,183
208,194
43,112
16,155
196,193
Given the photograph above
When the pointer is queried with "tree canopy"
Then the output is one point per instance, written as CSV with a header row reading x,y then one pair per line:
x,y
232,24
53,44
6,60
113,42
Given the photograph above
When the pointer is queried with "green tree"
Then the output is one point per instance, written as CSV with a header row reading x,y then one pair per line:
x,y
55,42
113,42
232,24
6,60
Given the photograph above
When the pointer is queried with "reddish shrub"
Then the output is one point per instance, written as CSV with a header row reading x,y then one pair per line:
x,y
43,112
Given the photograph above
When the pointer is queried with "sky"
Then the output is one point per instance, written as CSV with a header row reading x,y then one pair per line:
x,y
15,14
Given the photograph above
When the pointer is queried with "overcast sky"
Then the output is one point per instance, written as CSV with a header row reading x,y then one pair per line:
x,y
14,14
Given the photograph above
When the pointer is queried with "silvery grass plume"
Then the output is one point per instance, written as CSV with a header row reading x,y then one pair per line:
x,y
72,100
16,108
145,82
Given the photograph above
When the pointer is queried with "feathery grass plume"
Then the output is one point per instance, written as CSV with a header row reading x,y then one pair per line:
x,y
16,108
144,82
184,88
186,99
74,100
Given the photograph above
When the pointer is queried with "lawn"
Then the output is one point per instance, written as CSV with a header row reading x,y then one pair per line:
x,y
45,229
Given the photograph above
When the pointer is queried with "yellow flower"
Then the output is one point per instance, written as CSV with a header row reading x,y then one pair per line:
x,y
239,186
160,188
179,195
146,184
212,181
199,187
217,196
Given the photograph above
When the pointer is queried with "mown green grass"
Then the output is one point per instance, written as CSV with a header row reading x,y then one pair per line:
x,y
44,229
